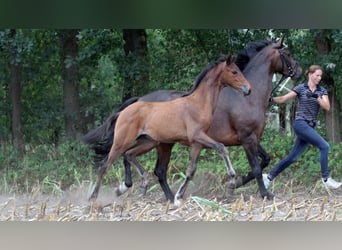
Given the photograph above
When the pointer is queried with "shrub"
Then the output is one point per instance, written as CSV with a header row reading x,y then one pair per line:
x,y
58,167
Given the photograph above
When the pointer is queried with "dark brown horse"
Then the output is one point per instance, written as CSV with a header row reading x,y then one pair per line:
x,y
258,61
185,119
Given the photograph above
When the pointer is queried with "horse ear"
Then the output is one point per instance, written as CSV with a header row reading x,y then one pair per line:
x,y
281,41
230,59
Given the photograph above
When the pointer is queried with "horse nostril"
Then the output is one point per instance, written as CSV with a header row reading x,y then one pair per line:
x,y
246,91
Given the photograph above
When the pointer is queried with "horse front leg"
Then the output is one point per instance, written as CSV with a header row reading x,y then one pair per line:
x,y
230,170
205,140
190,171
265,160
251,147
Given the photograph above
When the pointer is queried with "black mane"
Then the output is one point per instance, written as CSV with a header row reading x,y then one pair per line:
x,y
243,58
204,72
246,54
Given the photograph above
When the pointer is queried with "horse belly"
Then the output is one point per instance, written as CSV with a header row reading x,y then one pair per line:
x,y
227,137
166,128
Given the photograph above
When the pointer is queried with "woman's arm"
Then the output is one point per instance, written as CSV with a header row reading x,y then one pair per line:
x,y
324,102
284,98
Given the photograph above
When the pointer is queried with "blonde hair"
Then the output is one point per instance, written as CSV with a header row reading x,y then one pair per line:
x,y
313,68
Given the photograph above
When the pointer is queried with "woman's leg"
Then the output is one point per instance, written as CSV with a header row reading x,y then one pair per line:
x,y
310,135
296,151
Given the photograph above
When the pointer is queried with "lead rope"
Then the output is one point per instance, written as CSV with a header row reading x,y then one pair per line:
x,y
283,77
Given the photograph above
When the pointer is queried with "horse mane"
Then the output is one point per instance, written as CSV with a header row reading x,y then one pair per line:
x,y
246,54
204,72
242,59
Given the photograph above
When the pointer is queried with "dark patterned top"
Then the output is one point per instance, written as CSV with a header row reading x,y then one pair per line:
x,y
308,106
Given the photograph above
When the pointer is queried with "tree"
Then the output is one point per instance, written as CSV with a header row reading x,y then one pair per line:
x,y
324,45
136,72
71,80
67,81
15,95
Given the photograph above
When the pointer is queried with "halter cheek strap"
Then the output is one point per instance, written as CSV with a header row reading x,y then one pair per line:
x,y
284,61
291,70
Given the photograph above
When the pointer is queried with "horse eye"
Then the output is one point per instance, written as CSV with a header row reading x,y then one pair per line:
x,y
234,72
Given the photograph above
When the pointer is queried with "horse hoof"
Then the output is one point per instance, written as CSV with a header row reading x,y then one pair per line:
x,y
173,207
231,190
144,190
87,209
268,195
118,192
238,183
178,202
92,198
121,189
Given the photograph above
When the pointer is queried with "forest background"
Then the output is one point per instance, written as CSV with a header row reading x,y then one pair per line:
x,y
56,85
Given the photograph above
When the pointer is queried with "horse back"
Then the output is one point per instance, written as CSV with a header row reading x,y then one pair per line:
x,y
167,122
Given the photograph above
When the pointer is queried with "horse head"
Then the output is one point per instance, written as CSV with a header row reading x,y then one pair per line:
x,y
289,66
232,71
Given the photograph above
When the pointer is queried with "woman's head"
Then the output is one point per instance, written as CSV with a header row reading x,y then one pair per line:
x,y
314,73
313,68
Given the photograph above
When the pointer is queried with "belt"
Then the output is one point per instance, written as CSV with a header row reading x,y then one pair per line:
x,y
311,123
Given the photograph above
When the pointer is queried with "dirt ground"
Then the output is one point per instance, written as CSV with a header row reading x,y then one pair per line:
x,y
202,203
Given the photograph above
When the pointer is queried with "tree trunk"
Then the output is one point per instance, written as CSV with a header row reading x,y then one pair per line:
x,y
136,73
282,119
15,95
71,83
332,117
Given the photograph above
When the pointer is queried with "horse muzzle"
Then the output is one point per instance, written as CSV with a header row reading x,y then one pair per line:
x,y
297,73
245,90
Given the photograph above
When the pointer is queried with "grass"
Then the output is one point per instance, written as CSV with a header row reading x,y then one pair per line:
x,y
56,168
73,162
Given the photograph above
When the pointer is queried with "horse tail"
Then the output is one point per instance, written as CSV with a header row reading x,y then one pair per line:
x,y
101,138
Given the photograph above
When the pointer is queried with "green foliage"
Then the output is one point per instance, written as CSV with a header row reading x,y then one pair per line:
x,y
58,167
175,57
62,166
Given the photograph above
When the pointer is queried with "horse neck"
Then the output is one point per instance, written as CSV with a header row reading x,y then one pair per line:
x,y
260,76
207,92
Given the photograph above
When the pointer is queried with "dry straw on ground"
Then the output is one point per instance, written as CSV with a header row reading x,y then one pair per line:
x,y
246,205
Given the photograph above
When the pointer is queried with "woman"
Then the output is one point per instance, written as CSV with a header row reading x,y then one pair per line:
x,y
311,98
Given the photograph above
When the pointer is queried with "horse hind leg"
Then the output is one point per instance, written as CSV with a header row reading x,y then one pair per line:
x,y
251,149
265,160
142,146
113,155
164,155
127,184
116,150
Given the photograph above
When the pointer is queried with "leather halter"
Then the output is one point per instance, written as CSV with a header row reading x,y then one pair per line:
x,y
284,61
291,69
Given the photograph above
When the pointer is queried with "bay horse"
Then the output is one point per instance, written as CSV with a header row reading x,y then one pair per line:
x,y
259,61
184,119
